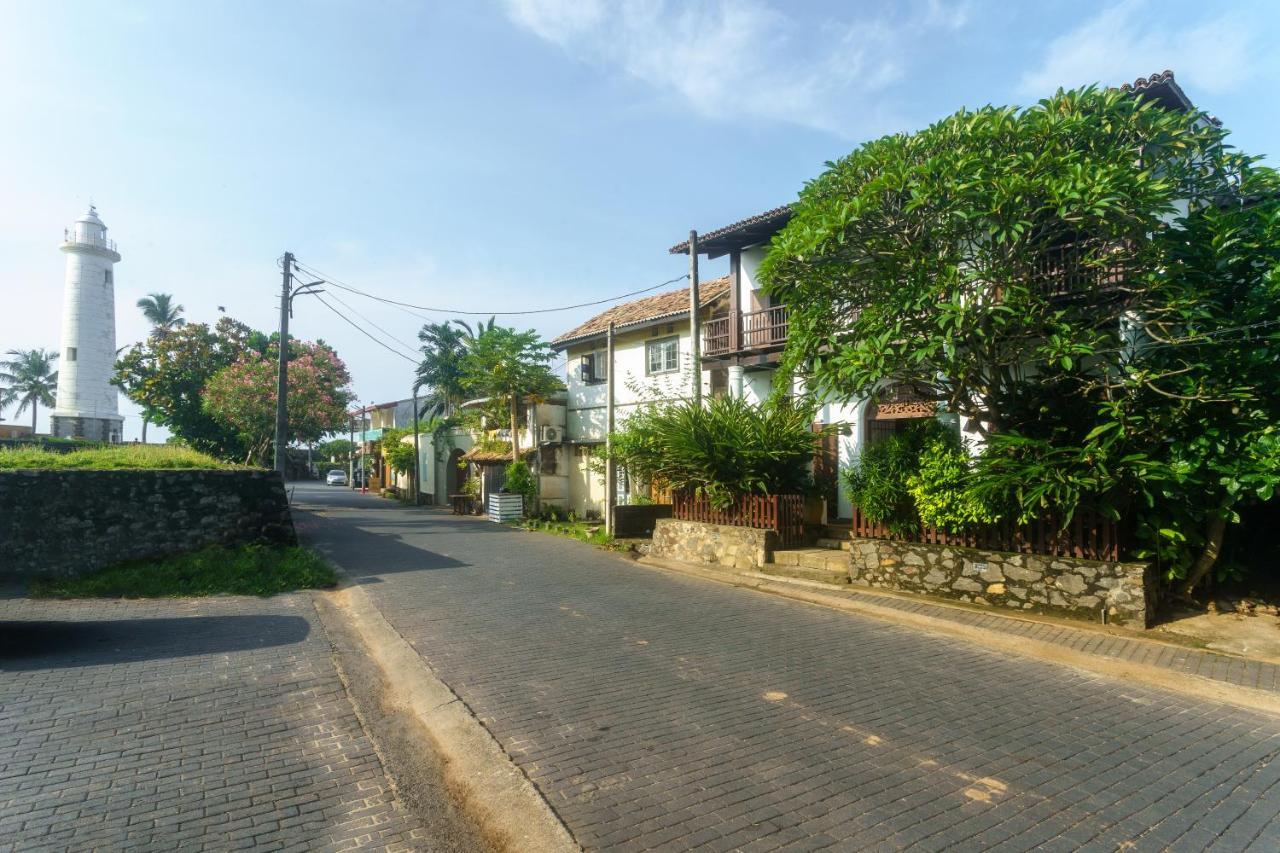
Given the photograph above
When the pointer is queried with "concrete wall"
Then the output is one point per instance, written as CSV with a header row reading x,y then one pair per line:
x,y
71,522
1058,585
712,544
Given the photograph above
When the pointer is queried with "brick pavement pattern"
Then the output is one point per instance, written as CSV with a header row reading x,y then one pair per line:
x,y
656,711
213,724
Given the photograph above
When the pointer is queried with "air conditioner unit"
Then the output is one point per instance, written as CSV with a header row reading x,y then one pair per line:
x,y
552,434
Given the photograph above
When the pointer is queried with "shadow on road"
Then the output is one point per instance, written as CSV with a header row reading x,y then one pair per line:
x,y
31,645
365,555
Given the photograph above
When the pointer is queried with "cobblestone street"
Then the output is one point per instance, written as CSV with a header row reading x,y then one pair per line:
x,y
660,711
214,724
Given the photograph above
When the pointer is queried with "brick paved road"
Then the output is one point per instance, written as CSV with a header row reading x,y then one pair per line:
x,y
214,724
657,711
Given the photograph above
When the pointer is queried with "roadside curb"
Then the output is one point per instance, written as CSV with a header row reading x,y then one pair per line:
x,y
496,792
811,593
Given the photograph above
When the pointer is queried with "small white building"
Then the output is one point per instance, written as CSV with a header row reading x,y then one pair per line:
x,y
88,404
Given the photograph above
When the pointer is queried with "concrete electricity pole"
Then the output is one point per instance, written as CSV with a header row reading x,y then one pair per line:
x,y
610,467
282,375
695,343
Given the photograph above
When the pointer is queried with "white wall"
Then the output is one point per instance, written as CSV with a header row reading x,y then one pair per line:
x,y
633,385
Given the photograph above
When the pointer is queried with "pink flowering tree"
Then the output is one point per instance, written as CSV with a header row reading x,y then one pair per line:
x,y
243,395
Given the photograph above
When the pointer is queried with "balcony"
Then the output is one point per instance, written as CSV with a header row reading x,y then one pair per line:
x,y
1079,269
757,331
71,238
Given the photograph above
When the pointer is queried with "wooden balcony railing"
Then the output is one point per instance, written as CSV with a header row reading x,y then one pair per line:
x,y
1078,269
758,330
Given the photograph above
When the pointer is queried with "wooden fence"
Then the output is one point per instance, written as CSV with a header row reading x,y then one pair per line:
x,y
783,514
1089,536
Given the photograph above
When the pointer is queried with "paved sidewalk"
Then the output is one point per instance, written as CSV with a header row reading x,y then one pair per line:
x,y
1115,644
214,723
659,711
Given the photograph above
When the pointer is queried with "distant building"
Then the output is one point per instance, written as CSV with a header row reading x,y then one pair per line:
x,y
87,404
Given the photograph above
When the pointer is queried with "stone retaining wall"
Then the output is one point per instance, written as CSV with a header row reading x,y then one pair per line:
x,y
712,544
70,522
1059,585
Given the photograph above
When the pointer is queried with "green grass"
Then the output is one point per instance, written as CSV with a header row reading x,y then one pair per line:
x,y
120,457
242,570
584,531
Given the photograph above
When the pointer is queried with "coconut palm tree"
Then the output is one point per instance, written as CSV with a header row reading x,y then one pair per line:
x,y
29,380
161,312
164,317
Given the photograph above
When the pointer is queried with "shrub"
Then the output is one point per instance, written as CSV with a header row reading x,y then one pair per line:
x,y
520,481
729,447
877,484
941,487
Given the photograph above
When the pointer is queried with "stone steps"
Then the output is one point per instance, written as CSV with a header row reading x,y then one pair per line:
x,y
808,573
834,544
822,559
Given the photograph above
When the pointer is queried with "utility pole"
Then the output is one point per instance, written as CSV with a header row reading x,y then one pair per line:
x,y
282,376
417,455
351,453
695,343
610,467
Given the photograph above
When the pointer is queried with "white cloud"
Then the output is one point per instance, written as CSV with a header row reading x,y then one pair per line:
x,y
745,59
1134,38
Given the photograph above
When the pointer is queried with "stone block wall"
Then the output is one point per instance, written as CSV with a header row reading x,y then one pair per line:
x,y
712,544
638,521
1058,585
70,522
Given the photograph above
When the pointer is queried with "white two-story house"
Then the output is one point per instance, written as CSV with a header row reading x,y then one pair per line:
x,y
652,355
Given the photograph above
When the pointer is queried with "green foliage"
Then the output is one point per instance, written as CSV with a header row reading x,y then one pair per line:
x,y
727,448
942,487
592,533
879,483
161,312
444,350
27,378
520,481
976,262
337,450
471,488
166,377
509,366
114,457
398,454
218,570
242,396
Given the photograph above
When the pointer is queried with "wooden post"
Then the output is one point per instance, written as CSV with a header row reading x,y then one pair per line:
x,y
695,343
610,469
282,369
417,455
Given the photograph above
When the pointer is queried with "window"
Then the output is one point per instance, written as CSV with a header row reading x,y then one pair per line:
x,y
71,353
662,356
595,367
107,276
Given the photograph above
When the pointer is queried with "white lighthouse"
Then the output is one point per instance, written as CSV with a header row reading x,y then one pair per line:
x,y
87,401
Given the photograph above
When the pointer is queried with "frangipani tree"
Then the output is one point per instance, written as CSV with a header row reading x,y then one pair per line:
x,y
1074,279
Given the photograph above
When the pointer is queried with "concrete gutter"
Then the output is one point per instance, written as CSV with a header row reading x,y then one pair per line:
x,y
497,794
822,595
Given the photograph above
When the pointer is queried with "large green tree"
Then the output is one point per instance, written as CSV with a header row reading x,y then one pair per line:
x,y
509,367
1056,275
29,380
166,376
161,312
441,371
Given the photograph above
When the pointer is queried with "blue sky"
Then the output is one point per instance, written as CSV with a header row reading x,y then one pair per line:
x,y
505,155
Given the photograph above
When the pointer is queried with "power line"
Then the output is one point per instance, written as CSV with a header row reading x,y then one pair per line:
x,y
342,302
344,286
361,330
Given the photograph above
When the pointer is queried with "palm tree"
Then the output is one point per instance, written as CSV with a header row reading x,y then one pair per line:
x,y
161,312
443,348
482,329
29,380
164,317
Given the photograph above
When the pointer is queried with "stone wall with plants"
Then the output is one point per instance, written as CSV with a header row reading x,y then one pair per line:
x,y
67,522
1081,589
712,544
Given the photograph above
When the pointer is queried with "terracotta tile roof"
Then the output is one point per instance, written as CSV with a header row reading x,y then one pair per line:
x,y
650,308
778,215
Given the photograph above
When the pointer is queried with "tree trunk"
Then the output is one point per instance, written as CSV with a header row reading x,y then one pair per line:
x,y
515,436
144,429
35,407
1215,530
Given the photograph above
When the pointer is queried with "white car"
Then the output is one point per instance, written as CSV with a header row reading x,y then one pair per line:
x,y
336,478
